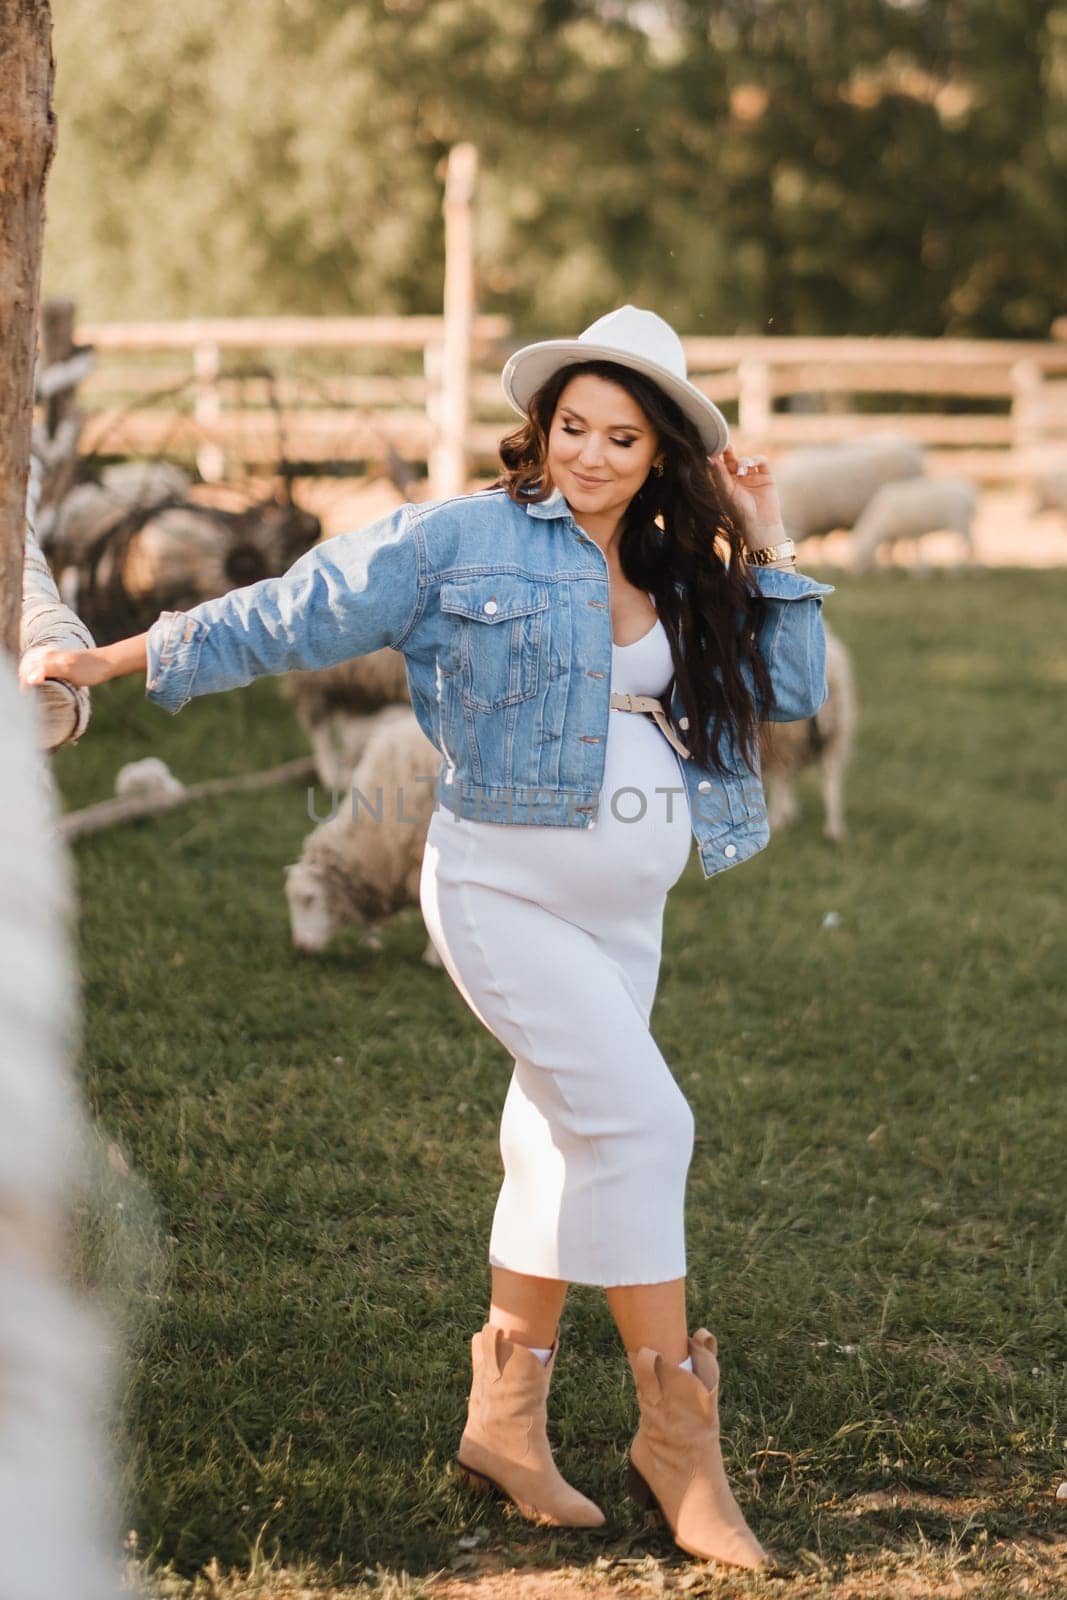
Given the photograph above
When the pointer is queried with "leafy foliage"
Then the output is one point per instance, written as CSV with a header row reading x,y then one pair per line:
x,y
862,166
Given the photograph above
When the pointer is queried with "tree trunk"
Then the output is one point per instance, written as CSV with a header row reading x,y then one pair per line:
x,y
27,143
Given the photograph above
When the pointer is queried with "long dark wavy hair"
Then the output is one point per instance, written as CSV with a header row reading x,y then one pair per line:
x,y
670,546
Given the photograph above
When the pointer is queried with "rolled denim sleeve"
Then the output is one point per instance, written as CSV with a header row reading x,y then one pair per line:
x,y
792,641
349,595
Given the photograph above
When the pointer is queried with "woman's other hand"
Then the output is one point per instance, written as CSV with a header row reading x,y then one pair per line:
x,y
748,487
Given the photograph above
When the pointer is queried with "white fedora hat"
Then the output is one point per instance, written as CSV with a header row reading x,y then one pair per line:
x,y
631,338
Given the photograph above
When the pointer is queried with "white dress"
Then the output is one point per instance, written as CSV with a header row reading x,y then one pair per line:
x,y
553,937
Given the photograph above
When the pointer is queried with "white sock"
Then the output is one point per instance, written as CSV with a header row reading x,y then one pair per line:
x,y
542,1355
687,1364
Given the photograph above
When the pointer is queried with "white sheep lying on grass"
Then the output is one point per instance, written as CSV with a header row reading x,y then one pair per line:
x,y
364,863
825,487
148,776
909,509
824,739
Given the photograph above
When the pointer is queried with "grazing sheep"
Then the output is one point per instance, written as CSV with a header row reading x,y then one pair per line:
x,y
826,487
364,864
337,708
909,509
825,738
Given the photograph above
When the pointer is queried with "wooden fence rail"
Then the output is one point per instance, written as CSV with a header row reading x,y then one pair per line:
x,y
246,392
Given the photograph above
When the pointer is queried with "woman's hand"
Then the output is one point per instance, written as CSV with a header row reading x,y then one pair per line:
x,y
83,668
748,488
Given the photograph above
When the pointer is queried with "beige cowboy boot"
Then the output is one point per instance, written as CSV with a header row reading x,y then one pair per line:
x,y
675,1460
504,1444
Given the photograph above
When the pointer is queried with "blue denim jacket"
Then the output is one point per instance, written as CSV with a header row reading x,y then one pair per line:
x,y
502,614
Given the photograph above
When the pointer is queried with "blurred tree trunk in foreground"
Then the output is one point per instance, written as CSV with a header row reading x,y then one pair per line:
x,y
27,144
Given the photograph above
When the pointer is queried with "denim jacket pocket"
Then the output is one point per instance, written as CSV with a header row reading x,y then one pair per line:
x,y
498,637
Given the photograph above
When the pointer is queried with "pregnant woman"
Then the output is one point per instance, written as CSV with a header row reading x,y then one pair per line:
x,y
591,645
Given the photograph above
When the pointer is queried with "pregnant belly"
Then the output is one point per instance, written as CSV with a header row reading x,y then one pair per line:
x,y
625,864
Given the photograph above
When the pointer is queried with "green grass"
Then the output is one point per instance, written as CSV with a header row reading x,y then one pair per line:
x,y
876,1202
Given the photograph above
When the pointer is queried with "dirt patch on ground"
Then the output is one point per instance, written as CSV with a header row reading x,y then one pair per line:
x,y
957,1507
1027,1566
1033,1565
960,1558
513,1583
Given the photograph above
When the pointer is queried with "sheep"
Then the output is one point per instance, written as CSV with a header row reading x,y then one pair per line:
x,y
826,487
124,483
83,511
825,739
907,510
121,559
149,776
363,864
337,708
144,483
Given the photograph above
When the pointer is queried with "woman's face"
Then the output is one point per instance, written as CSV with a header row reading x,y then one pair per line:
x,y
601,447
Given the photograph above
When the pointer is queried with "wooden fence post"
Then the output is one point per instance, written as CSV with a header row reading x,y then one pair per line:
x,y
57,344
1027,382
432,370
451,412
210,461
27,144
61,368
754,402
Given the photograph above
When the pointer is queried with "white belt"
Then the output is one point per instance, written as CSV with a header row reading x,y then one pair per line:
x,y
654,708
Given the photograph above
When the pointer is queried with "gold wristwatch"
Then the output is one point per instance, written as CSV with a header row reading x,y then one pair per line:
x,y
786,551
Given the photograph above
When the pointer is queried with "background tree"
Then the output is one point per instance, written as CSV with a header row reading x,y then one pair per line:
x,y
859,166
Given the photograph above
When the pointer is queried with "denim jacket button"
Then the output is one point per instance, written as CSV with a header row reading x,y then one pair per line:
x,y
703,786
730,850
683,723
490,608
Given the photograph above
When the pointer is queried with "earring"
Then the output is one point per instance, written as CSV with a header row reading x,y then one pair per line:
x,y
658,470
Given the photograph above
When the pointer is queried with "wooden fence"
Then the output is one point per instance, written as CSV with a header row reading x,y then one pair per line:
x,y
246,393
